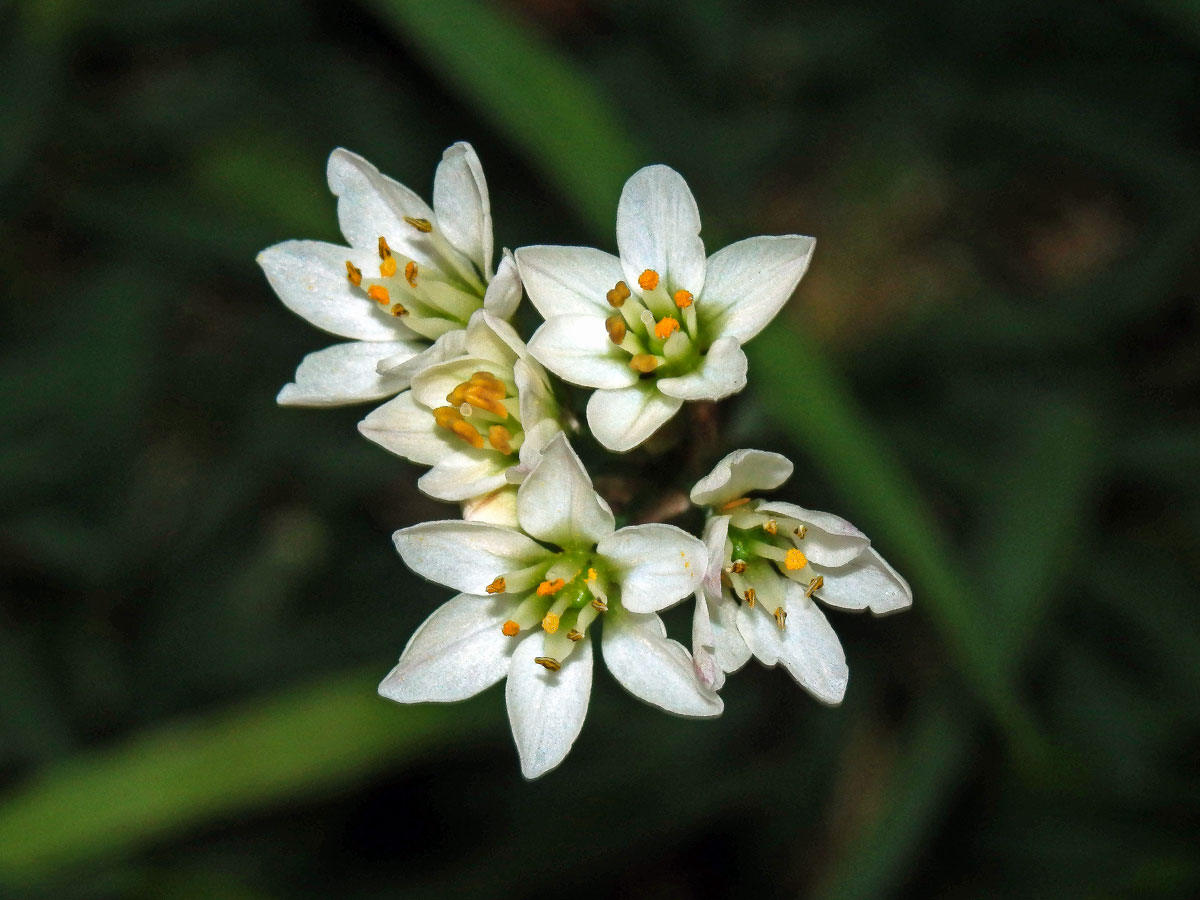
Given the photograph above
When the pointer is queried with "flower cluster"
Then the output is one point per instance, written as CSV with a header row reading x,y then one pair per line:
x,y
537,558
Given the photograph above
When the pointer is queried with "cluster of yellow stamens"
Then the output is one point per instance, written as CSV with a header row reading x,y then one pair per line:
x,y
655,328
578,596
482,391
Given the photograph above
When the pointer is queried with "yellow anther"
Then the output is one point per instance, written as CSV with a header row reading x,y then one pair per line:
x,y
665,326
548,662
644,362
410,273
599,605
384,250
500,438
422,225
618,295
801,532
379,294
683,299
387,268
574,635
615,326
510,628
780,616
468,433
398,310
648,280
546,588
734,504
498,586
814,586
353,273
750,597
550,622
738,567
591,575
770,526
795,560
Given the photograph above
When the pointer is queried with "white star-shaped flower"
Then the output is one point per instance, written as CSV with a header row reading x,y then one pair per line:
x,y
405,287
480,419
529,597
768,562
660,324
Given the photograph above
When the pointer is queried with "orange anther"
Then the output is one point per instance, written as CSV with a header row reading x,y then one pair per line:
x,y
546,588
683,299
510,628
616,328
379,294
387,268
497,586
795,560
353,273
648,280
550,623
410,273
665,327
644,362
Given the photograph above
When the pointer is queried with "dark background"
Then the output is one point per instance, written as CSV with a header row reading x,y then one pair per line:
x,y
992,368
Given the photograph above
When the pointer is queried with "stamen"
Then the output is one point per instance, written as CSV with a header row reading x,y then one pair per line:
x,y
410,273
500,438
550,621
387,268
422,225
801,532
616,328
814,586
599,605
664,327
683,299
648,280
574,635
750,597
384,250
618,295
498,586
770,526
591,575
379,294
780,617
398,310
644,363
510,628
548,662
795,560
546,588
468,433
734,504
739,566
353,273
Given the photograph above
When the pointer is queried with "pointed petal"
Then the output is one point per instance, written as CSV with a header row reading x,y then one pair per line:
x,y
658,227
462,206
345,373
407,429
503,294
577,349
497,508
721,374
557,502
867,583
748,282
546,709
831,540
404,368
456,653
466,556
808,647
490,337
567,281
370,205
740,473
729,646
704,644
654,668
716,532
657,564
622,419
464,474
310,279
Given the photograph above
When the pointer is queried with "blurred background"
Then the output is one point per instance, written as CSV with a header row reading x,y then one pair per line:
x,y
992,368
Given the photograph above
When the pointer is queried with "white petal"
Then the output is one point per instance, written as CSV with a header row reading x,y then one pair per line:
x,y
432,384
371,205
748,282
704,644
490,337
404,368
658,227
654,668
577,349
829,541
657,564
546,709
740,473
722,373
464,474
503,294
462,207
867,583
497,508
730,647
808,647
622,419
310,279
565,281
345,373
557,502
456,653
466,556
716,532
407,429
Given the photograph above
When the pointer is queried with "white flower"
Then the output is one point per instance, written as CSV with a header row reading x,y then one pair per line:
x,y
768,562
460,416
529,596
659,325
411,275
